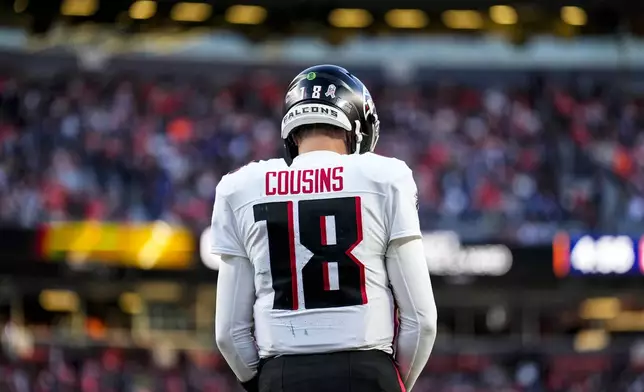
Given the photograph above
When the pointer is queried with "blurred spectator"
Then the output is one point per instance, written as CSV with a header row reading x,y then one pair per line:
x,y
107,148
86,369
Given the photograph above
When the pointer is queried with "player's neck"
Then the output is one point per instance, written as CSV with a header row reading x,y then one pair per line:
x,y
322,143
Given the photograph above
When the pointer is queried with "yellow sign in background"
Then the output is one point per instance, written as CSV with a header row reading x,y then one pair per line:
x,y
156,245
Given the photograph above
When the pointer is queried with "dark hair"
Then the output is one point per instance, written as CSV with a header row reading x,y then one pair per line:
x,y
331,131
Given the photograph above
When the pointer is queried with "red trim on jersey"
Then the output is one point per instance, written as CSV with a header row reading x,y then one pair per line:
x,y
291,243
325,276
363,285
323,230
325,265
400,381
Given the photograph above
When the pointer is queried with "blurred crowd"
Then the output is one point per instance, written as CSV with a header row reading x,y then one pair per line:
x,y
606,122
111,370
132,148
53,369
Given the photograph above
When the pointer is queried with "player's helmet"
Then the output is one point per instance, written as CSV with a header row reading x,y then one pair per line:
x,y
328,94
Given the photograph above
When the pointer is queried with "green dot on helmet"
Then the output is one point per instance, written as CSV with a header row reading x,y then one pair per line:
x,y
311,76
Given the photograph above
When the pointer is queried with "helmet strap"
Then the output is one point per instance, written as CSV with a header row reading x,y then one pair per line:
x,y
358,135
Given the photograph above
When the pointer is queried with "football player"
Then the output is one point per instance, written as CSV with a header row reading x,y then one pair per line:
x,y
319,249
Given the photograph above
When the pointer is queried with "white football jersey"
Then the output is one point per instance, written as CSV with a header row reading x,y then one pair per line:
x,y
316,233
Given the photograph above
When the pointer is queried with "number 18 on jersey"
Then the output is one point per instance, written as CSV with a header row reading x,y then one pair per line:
x,y
329,230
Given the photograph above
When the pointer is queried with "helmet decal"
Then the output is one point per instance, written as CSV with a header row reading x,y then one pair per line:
x,y
330,91
329,88
293,95
369,109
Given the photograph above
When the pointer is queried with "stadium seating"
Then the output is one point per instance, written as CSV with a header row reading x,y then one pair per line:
x,y
490,161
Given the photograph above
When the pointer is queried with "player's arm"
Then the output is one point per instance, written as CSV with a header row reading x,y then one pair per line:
x,y
234,317
409,279
235,295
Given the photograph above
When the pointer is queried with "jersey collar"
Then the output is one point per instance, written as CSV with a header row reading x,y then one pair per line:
x,y
316,155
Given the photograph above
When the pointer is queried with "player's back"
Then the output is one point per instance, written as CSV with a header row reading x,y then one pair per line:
x,y
316,233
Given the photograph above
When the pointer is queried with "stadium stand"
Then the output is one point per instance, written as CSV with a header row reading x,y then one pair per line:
x,y
509,145
125,148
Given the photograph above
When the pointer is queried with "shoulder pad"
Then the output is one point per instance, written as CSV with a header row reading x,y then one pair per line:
x,y
385,169
241,167
241,177
229,183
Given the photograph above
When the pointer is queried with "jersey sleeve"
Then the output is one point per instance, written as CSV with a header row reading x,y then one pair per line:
x,y
403,206
412,288
224,233
234,316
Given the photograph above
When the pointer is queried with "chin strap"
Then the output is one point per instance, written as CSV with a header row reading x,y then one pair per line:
x,y
358,134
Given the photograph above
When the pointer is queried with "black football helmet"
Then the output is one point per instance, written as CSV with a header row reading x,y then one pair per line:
x,y
328,94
